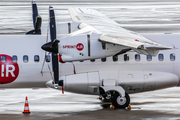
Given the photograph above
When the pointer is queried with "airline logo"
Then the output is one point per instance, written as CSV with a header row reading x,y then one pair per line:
x,y
79,46
9,70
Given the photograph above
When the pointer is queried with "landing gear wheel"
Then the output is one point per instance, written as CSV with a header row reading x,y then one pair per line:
x,y
120,102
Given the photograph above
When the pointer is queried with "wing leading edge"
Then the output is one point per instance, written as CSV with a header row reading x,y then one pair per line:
x,y
113,33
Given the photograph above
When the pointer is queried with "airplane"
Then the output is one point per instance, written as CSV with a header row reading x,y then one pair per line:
x,y
91,55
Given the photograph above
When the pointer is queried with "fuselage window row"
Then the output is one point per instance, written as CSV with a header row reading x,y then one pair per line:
x,y
138,57
114,58
25,59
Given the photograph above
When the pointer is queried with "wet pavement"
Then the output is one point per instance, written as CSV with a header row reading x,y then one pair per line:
x,y
52,104
143,17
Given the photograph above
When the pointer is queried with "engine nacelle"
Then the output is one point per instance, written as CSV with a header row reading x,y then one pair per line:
x,y
130,81
84,83
86,47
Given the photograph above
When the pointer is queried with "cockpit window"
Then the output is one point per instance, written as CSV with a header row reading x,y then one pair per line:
x,y
36,58
25,58
149,57
14,58
172,57
161,57
137,57
126,57
3,59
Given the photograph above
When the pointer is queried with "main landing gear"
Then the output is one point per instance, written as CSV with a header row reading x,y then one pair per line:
x,y
118,97
120,102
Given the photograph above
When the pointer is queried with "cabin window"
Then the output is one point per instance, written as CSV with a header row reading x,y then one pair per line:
x,y
93,60
115,58
14,58
103,46
149,57
172,57
126,57
36,58
137,57
103,59
25,58
161,57
3,59
48,58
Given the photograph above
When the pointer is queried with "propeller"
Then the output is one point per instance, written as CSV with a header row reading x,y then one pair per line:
x,y
37,20
52,47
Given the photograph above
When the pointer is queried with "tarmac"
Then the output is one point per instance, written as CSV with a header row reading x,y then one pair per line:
x,y
49,104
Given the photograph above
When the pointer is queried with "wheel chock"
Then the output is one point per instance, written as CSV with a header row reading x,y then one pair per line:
x,y
112,107
100,97
129,107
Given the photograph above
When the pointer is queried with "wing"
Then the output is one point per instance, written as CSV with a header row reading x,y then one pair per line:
x,y
113,33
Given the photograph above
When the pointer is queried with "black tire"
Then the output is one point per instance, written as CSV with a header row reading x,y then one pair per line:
x,y
119,102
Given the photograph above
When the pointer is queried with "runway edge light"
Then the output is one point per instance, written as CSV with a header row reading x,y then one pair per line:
x,y
26,107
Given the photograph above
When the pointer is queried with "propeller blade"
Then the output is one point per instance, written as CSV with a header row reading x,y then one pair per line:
x,y
38,24
34,12
52,23
53,46
55,66
37,20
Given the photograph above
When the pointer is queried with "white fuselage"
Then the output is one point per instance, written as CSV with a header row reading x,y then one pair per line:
x,y
134,76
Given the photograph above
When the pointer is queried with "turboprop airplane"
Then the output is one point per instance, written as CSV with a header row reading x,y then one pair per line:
x,y
90,55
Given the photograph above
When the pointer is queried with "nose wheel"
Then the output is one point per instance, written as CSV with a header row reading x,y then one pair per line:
x,y
120,102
